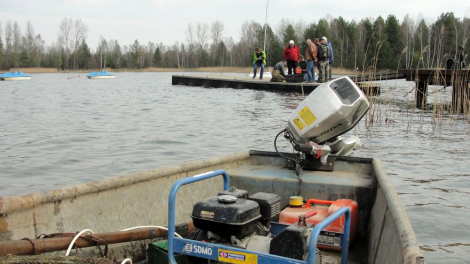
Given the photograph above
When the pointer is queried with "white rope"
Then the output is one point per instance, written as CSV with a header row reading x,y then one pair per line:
x,y
126,260
159,227
75,239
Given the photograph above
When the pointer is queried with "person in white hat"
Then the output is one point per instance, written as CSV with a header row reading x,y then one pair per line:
x,y
291,55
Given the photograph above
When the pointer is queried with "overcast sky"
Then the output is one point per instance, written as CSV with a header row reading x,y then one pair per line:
x,y
166,21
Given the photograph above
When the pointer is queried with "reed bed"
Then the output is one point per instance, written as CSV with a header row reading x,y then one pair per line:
x,y
398,102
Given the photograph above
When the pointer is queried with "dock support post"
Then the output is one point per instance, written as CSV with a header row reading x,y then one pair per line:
x,y
421,94
460,97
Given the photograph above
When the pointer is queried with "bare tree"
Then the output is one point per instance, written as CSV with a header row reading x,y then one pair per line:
x,y
465,27
80,32
217,29
300,28
116,52
40,48
103,48
150,51
229,43
408,32
2,55
190,39
249,32
190,33
282,26
8,43
249,39
202,34
16,43
176,53
65,37
183,54
30,42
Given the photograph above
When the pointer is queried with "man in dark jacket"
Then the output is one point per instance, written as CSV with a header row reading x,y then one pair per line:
x,y
331,60
323,58
291,55
316,41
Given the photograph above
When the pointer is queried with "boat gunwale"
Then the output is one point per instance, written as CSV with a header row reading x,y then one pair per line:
x,y
411,251
10,204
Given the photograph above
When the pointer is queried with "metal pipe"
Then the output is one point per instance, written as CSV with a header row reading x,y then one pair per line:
x,y
25,247
172,199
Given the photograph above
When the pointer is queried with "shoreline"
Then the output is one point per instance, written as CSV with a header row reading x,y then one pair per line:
x,y
340,71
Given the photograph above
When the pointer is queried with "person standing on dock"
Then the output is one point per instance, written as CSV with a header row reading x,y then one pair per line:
x,y
330,61
278,72
316,41
291,55
311,57
461,60
324,57
259,60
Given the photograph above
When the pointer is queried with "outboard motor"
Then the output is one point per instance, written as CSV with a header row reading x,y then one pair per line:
x,y
314,129
332,109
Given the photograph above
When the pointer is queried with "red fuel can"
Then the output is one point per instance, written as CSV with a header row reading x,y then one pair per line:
x,y
330,236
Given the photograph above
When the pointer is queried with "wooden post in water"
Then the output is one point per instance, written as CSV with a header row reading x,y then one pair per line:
x,y
458,79
460,93
421,94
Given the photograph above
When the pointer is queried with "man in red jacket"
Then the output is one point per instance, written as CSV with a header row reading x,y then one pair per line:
x,y
291,55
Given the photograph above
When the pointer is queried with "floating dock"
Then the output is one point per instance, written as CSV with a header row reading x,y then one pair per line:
x,y
212,80
294,82
458,79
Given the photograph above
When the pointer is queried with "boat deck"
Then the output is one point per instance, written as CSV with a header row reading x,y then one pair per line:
x,y
348,180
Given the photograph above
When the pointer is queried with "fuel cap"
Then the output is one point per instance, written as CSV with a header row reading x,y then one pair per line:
x,y
227,199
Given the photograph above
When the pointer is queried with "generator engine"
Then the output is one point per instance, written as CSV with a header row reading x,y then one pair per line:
x,y
235,219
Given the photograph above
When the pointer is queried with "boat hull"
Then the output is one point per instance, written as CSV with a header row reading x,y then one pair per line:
x,y
101,77
384,232
15,78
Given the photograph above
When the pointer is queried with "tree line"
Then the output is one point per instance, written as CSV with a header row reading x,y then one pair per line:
x,y
380,43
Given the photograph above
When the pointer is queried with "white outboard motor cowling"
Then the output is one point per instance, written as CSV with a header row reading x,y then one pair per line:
x,y
331,110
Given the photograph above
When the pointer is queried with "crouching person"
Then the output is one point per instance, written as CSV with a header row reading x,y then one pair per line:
x,y
278,72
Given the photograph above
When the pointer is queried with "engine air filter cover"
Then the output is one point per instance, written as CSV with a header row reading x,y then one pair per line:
x,y
237,218
270,204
